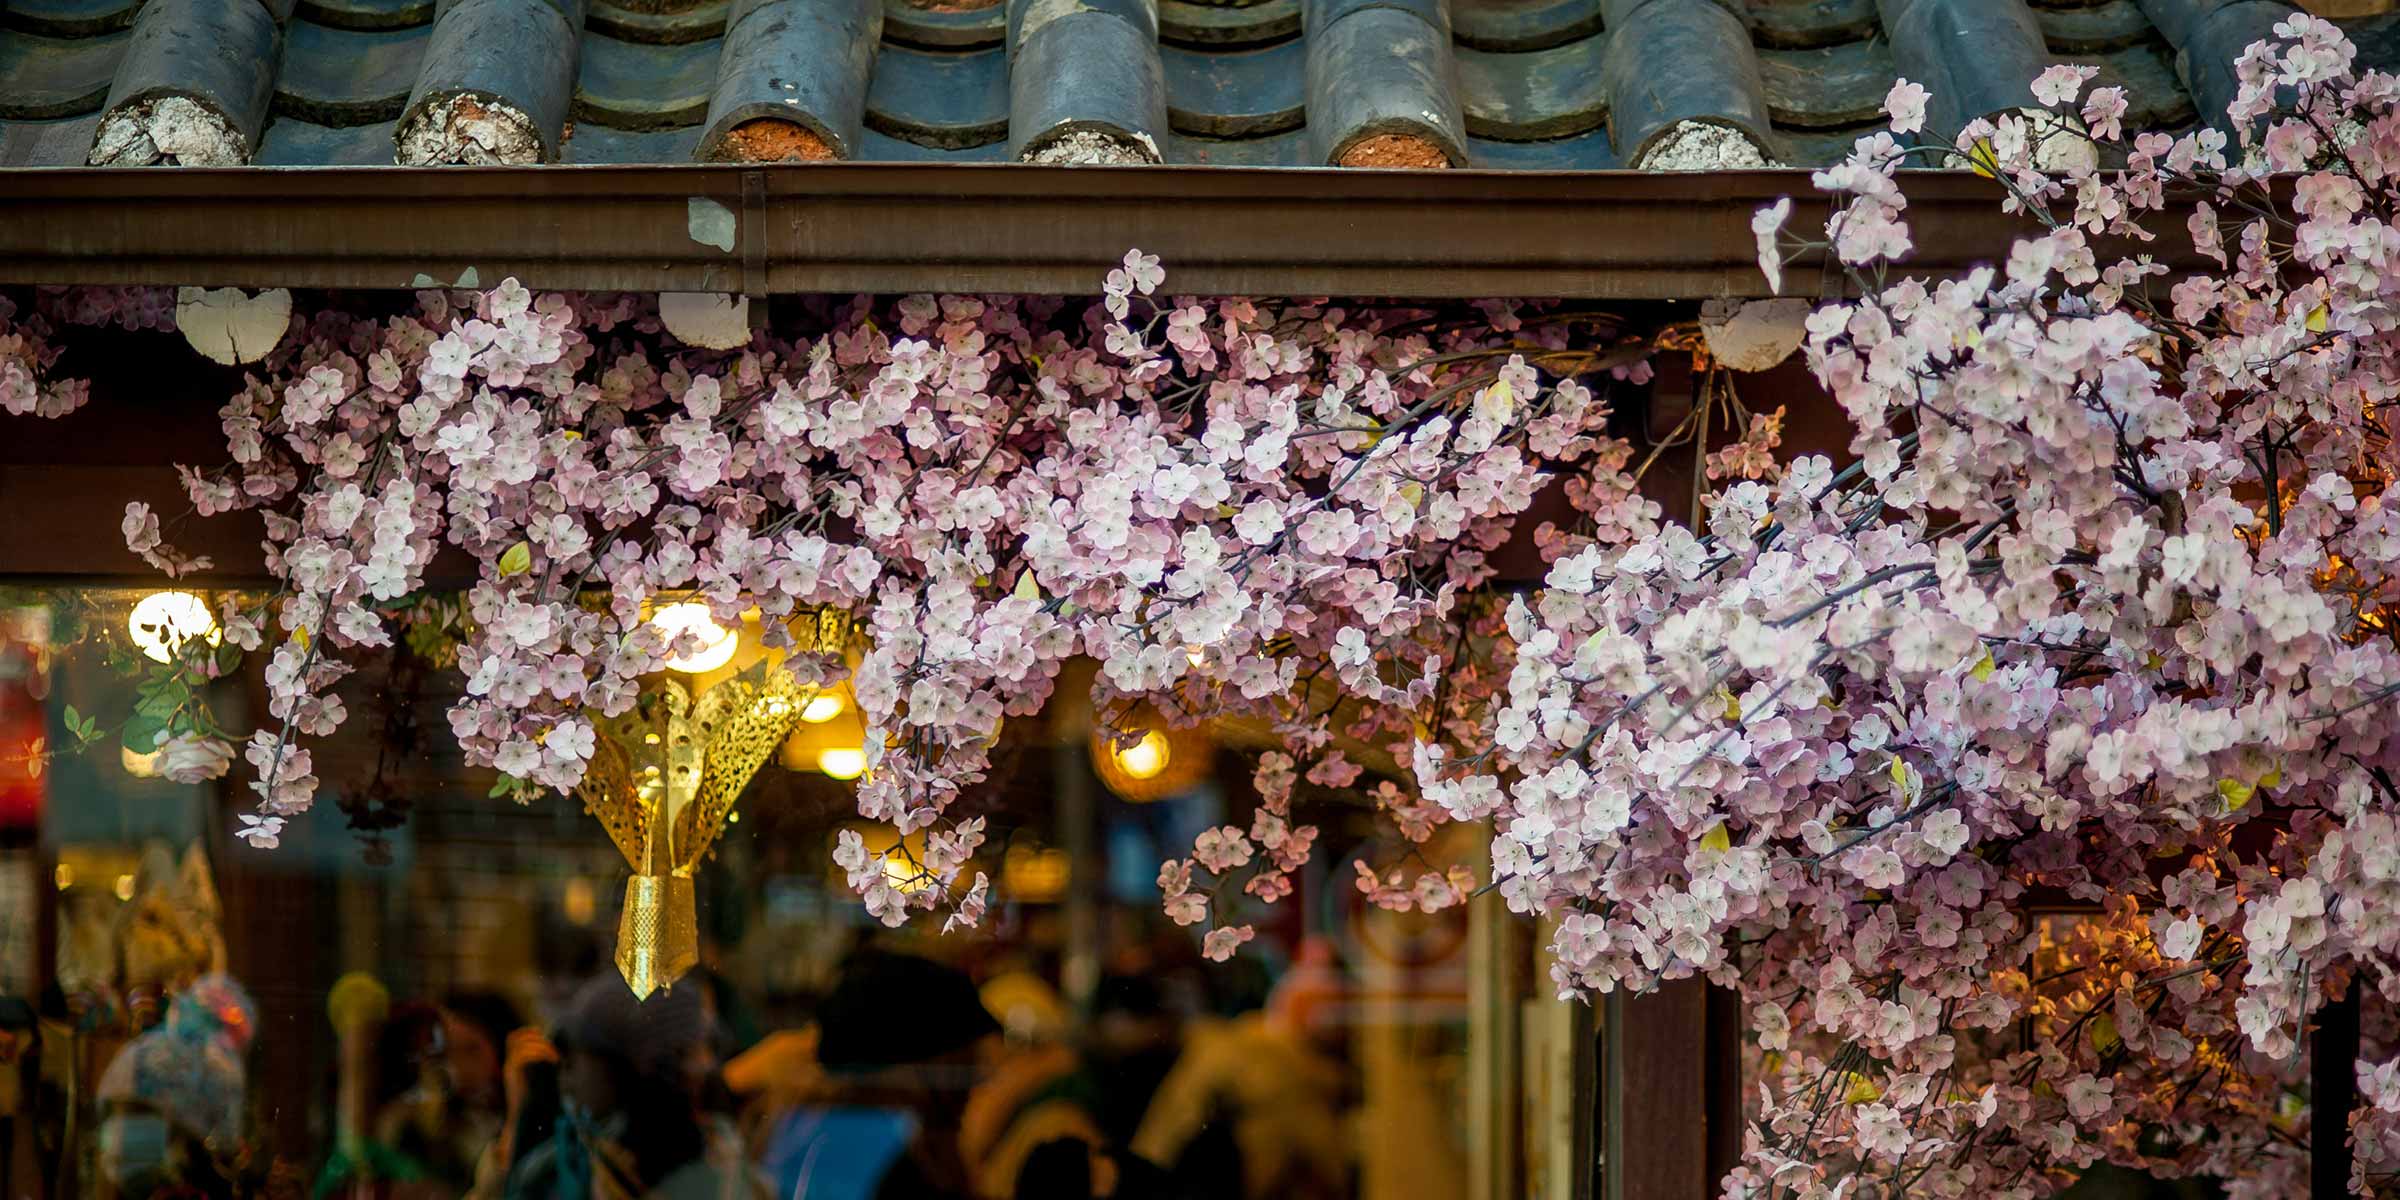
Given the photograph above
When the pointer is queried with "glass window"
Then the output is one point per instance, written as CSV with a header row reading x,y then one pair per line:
x,y
424,989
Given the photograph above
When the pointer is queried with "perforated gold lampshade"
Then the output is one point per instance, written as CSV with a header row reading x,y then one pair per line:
x,y
663,779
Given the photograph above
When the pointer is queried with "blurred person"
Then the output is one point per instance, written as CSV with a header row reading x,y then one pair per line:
x,y
629,1123
1035,1091
1071,1169
901,1042
1254,1105
452,1108
173,1102
1133,1042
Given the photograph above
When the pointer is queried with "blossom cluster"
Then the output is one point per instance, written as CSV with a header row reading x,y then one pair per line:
x,y
2099,617
1235,507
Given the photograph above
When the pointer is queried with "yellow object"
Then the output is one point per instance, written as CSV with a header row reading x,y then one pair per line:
x,y
842,762
140,766
357,1000
717,642
2102,1033
1716,839
164,620
1984,668
2236,793
1982,161
1163,761
516,560
663,781
822,707
1146,758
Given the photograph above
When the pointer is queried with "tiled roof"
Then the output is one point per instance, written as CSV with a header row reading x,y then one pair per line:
x,y
1549,84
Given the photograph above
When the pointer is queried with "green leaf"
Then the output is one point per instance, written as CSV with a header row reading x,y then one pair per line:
x,y
143,734
516,560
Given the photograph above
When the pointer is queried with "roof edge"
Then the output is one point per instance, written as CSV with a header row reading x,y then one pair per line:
x,y
903,227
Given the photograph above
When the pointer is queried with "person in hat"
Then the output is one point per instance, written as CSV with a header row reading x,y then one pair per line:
x,y
901,1042
629,1125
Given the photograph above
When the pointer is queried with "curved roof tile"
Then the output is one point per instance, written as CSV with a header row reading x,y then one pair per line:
x,y
1547,84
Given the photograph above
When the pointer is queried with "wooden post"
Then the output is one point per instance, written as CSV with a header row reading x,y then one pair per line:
x,y
1654,1094
2333,1093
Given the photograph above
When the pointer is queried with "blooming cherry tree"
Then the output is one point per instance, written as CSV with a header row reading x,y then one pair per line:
x,y
2030,773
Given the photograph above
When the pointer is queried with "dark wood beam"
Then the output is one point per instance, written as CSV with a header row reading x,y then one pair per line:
x,y
895,227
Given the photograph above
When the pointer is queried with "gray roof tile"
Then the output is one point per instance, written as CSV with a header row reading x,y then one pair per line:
x,y
640,86
367,14
940,100
345,76
297,142
1236,93
1533,95
1211,23
71,18
43,77
1520,84
1524,24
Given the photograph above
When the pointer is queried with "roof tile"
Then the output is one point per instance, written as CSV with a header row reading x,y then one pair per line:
x,y
1828,87
1534,95
643,86
496,86
1381,70
1524,24
194,85
937,100
368,14
347,77
1236,93
1085,82
42,78
1560,84
70,18
1208,23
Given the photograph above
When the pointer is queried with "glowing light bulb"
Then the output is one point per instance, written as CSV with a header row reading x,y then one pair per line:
x,y
717,643
165,620
843,762
1146,758
1196,655
822,707
904,876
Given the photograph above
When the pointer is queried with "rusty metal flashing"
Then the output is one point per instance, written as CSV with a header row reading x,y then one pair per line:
x,y
889,227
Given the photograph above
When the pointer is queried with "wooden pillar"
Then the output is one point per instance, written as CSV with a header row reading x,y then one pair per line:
x,y
1654,1094
2333,1094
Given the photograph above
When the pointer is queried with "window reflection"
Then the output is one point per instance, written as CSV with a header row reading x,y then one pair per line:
x,y
416,994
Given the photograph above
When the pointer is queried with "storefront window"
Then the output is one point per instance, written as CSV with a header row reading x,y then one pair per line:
x,y
422,990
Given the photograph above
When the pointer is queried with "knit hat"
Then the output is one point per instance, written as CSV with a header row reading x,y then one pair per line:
x,y
890,1009
656,1037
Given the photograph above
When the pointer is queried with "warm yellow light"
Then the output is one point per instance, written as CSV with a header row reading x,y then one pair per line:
x,y
1195,655
843,762
140,766
579,901
904,876
124,887
64,876
1145,758
164,620
822,707
717,643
